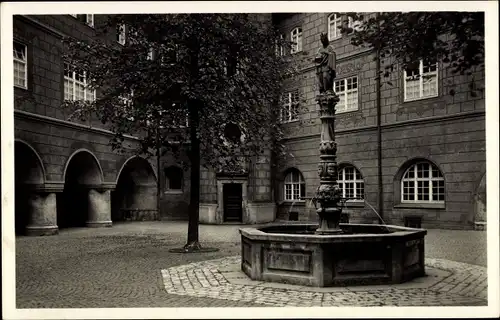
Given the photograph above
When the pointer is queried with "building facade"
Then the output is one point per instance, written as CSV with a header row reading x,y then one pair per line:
x,y
66,173
431,145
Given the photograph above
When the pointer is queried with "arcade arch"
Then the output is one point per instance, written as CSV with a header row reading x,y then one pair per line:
x,y
29,174
134,197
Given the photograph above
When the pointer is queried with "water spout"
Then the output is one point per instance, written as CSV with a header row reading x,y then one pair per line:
x,y
376,212
369,205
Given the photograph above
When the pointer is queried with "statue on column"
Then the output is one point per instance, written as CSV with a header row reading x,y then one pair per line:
x,y
325,61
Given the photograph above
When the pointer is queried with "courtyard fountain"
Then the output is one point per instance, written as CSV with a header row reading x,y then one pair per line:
x,y
331,253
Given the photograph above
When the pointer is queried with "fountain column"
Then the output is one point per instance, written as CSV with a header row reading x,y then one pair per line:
x,y
328,194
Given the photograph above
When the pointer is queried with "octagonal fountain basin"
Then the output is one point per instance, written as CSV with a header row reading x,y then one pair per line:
x,y
363,254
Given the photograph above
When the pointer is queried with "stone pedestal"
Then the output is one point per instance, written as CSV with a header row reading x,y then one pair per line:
x,y
42,215
328,195
99,210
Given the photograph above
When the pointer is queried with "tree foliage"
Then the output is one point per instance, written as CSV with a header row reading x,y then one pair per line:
x,y
404,38
205,70
225,62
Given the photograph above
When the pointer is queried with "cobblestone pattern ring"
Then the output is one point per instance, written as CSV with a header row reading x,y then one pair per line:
x,y
448,283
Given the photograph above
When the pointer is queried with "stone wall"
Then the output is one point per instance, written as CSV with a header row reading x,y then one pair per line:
x,y
448,130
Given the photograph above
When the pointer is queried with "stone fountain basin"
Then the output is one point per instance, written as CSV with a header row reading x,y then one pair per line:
x,y
364,254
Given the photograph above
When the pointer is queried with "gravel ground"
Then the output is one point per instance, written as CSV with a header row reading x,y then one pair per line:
x,y
120,266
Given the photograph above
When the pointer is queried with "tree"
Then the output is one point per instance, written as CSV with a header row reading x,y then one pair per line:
x,y
404,38
211,68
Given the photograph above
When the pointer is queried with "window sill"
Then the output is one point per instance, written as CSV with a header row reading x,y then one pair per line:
x,y
22,88
292,202
345,112
420,206
354,204
420,99
174,192
291,121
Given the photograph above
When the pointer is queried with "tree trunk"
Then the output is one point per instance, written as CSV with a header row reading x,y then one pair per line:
x,y
194,201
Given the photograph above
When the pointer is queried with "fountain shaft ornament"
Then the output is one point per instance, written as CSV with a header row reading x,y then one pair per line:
x,y
328,194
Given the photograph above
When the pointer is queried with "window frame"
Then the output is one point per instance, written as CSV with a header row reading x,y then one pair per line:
x,y
301,184
351,24
74,81
421,76
91,23
297,46
293,115
167,186
121,34
279,50
338,22
24,62
415,179
346,92
355,181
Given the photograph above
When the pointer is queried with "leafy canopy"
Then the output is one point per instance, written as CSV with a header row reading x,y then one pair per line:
x,y
404,38
223,67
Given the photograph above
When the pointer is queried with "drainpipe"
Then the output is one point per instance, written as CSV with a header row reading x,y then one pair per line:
x,y
379,138
158,176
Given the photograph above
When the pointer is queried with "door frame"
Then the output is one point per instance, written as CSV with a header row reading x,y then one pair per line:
x,y
224,196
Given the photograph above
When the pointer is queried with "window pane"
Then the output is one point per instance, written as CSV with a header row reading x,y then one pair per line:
x,y
360,190
68,90
349,173
410,173
349,190
341,105
341,187
412,89
422,170
19,51
174,178
429,85
408,190
352,100
288,191
423,190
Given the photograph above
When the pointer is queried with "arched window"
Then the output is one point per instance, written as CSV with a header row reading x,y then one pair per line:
x,y
296,39
422,182
351,183
173,178
334,22
295,186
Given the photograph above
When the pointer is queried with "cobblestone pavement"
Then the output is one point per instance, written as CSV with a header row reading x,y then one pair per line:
x,y
121,267
448,283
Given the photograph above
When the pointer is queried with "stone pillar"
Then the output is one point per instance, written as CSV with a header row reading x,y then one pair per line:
x,y
99,210
43,214
328,195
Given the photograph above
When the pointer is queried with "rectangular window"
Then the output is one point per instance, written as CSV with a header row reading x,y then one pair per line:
x,y
120,34
279,50
75,85
347,90
354,25
151,54
420,81
89,19
334,22
290,106
20,66
296,38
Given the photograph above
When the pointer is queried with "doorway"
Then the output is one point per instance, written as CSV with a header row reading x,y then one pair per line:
x,y
233,197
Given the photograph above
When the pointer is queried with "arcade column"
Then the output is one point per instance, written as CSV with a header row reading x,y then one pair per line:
x,y
99,209
42,210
